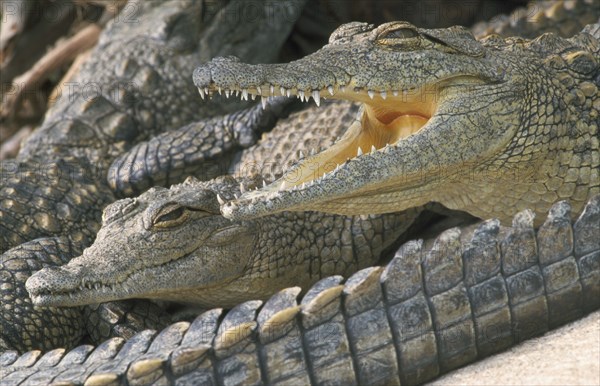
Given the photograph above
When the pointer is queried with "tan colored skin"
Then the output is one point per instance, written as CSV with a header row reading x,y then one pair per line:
x,y
173,244
511,124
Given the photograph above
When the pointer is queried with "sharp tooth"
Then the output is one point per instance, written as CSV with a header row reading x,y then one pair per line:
x,y
227,93
316,97
373,149
97,286
371,94
282,91
264,184
219,90
264,100
236,196
258,90
220,199
272,89
242,188
330,89
313,151
301,95
201,92
245,94
395,93
282,186
359,152
303,185
301,155
337,167
253,96
237,93
206,90
383,94
288,93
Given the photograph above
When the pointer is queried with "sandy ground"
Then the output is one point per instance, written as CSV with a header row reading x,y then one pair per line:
x,y
567,356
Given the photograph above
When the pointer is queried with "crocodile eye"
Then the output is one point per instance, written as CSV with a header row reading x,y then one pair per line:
x,y
170,216
400,33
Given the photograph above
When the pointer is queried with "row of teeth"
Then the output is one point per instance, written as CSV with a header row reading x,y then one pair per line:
x,y
304,96
87,286
283,184
96,286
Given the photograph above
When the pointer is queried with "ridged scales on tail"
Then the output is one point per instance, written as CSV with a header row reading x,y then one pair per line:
x,y
80,354
436,306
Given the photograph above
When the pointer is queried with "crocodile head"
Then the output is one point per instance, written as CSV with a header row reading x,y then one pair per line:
x,y
154,246
442,119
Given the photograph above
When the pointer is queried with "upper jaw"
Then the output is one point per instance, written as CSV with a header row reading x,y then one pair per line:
x,y
399,101
65,286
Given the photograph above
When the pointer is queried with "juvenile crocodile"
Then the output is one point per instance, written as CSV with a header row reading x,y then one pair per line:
x,y
436,306
173,244
489,127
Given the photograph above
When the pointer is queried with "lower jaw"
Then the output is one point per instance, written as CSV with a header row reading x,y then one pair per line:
x,y
370,135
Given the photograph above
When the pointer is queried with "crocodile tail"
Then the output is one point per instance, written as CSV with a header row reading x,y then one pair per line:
x,y
436,306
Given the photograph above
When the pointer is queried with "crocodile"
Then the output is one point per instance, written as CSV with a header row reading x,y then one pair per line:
x,y
135,85
489,126
437,305
147,245
41,138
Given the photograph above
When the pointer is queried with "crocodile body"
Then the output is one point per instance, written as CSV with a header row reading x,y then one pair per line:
x,y
135,85
486,126
173,244
102,352
436,306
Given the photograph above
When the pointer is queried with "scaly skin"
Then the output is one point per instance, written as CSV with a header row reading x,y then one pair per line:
x,y
564,18
135,85
173,244
489,127
9,196
436,306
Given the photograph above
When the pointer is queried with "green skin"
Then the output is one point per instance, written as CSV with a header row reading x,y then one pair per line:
x,y
510,123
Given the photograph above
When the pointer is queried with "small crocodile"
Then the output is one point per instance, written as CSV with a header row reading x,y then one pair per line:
x,y
173,244
438,305
489,127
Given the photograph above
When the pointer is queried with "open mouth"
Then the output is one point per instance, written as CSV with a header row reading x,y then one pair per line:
x,y
387,117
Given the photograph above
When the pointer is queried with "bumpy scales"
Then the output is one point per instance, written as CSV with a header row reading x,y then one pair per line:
x,y
436,306
488,127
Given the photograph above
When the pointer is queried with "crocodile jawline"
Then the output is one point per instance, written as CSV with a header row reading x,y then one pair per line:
x,y
386,118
